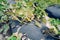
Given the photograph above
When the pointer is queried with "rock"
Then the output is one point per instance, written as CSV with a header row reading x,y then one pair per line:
x,y
1,37
53,11
14,25
11,1
32,31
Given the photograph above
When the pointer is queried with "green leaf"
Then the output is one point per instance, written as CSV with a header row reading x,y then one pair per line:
x,y
1,29
6,27
4,18
14,38
1,13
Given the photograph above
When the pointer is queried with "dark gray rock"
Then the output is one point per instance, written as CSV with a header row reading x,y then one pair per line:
x,y
32,31
14,24
53,11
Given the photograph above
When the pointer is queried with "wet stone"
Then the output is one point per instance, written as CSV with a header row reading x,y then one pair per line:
x,y
32,32
53,11
14,25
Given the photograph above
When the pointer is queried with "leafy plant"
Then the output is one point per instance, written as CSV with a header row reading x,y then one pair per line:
x,y
4,29
55,23
26,10
13,38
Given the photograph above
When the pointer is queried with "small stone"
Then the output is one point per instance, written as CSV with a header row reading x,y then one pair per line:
x,y
1,37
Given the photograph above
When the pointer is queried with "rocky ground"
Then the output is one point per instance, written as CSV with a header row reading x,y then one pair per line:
x,y
32,32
